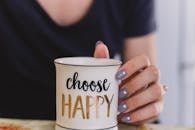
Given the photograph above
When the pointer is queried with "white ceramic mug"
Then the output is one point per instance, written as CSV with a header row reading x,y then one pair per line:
x,y
87,93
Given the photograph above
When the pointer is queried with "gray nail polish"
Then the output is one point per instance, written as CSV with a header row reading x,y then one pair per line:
x,y
122,107
119,82
98,42
126,119
123,93
121,74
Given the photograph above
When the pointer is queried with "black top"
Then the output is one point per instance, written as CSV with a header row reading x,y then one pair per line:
x,y
30,41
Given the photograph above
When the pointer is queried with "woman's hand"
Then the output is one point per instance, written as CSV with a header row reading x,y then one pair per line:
x,y
140,94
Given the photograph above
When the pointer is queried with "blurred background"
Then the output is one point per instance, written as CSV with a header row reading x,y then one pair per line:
x,y
176,54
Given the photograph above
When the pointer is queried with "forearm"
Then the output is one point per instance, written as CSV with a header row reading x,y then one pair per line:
x,y
141,93
140,45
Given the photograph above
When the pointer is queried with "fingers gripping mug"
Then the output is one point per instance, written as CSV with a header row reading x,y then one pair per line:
x,y
87,93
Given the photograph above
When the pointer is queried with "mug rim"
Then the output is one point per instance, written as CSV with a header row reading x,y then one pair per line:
x,y
97,62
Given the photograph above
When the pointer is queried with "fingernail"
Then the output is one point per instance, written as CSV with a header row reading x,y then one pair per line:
x,y
123,93
98,42
121,74
119,82
122,107
126,119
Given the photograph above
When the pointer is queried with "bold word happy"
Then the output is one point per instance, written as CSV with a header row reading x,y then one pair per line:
x,y
82,106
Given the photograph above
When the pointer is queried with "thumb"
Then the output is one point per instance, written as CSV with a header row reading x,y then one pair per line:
x,y
101,50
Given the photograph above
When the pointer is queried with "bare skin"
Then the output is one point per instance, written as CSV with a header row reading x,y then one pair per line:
x,y
66,12
143,104
147,104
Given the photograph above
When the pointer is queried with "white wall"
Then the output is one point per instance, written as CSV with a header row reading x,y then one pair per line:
x,y
187,62
168,50
176,54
